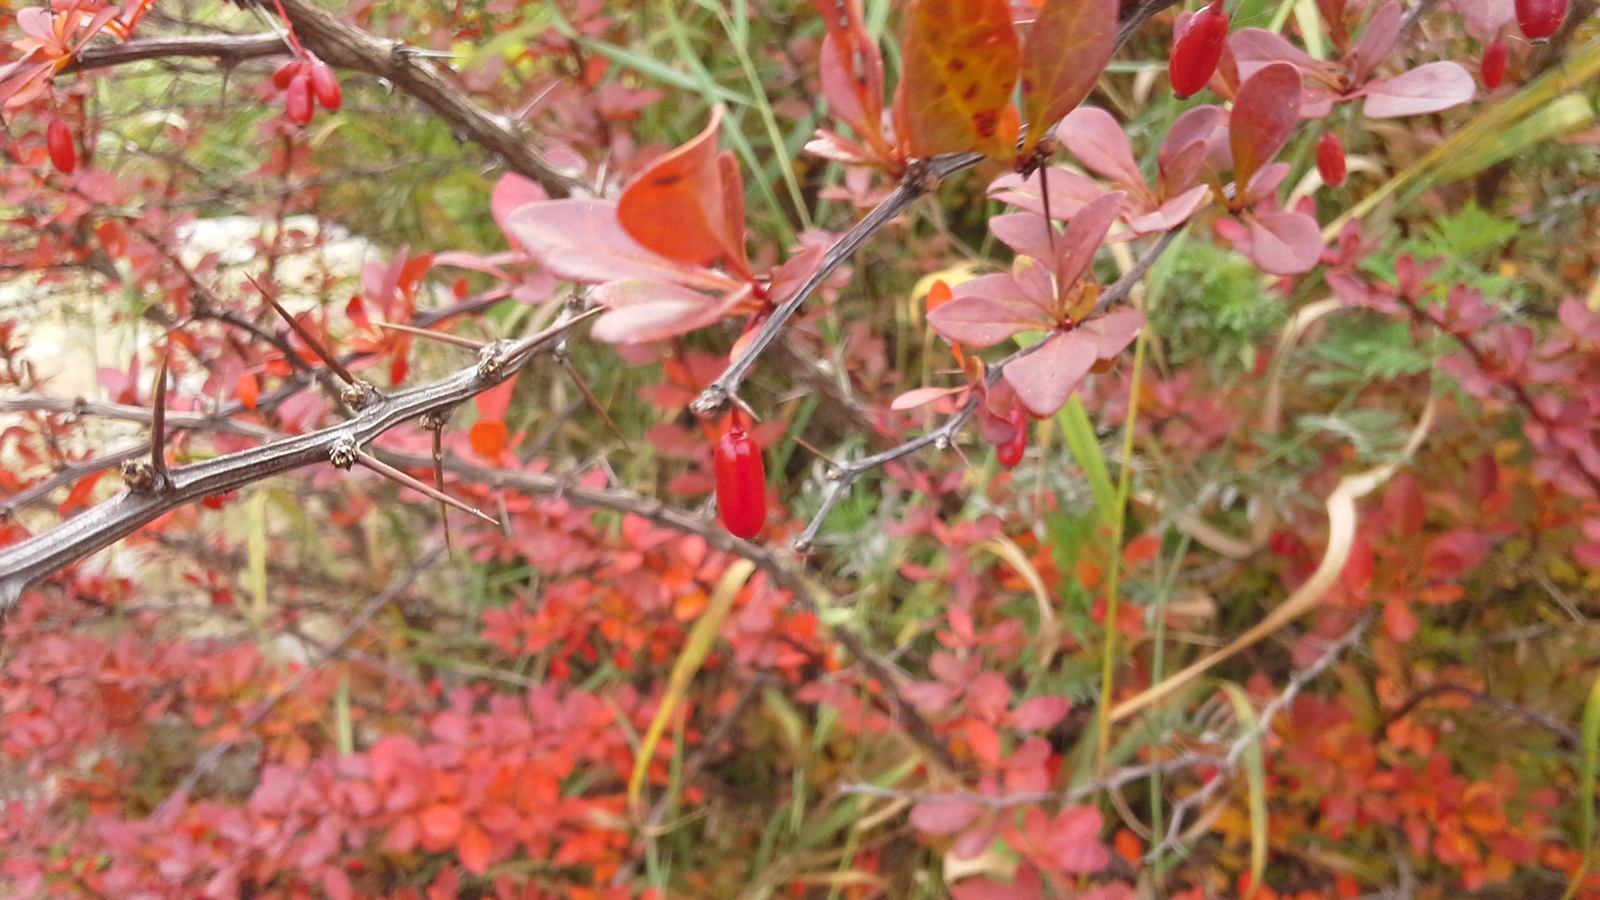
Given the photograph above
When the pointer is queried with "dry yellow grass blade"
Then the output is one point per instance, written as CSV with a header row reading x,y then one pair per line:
x,y
1342,520
1049,637
1491,128
694,654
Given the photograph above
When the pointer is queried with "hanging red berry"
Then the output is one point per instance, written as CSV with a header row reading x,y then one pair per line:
x,y
325,85
298,103
741,482
1009,452
1539,19
1494,63
1197,49
1330,159
283,74
63,153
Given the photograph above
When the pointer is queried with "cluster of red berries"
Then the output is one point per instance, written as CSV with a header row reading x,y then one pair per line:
x,y
304,79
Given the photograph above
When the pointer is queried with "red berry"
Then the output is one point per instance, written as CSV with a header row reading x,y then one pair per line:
x,y
325,85
1330,159
1494,63
741,483
298,104
1539,19
58,137
283,74
1197,49
1010,452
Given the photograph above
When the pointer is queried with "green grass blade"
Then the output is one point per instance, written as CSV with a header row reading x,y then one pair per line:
x,y
1085,446
1255,772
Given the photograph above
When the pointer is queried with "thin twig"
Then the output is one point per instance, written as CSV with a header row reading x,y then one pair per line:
x,y
1256,732
208,760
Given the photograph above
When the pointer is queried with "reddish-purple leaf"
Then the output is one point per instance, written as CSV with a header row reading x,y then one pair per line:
x,y
929,696
851,70
1084,235
944,815
581,240
1376,40
1172,213
1256,48
985,311
1027,886
1184,152
1425,89
920,397
1069,191
1040,713
1026,233
1094,137
1264,115
1285,243
1045,378
652,311
1067,49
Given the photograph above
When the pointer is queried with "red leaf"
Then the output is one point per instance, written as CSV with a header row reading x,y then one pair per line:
x,y
1066,50
1376,40
1098,141
1040,713
1027,886
651,311
944,815
683,206
1399,619
1084,235
1284,243
582,240
1454,553
851,70
493,403
1425,89
488,437
1264,115
511,193
985,311
336,884
474,850
959,67
1045,378
248,390
441,824
985,742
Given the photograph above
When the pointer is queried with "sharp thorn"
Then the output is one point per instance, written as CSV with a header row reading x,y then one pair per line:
x,y
322,353
434,335
438,482
158,421
393,474
572,371
554,332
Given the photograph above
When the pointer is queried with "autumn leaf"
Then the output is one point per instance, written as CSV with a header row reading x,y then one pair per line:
x,y
960,64
1067,48
688,206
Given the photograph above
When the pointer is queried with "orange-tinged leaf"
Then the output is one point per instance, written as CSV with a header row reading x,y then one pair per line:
x,y
689,606
677,206
248,390
851,70
488,437
1066,50
475,851
441,824
960,65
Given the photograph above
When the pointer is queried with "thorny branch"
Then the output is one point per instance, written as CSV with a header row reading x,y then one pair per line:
x,y
1257,732
30,559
